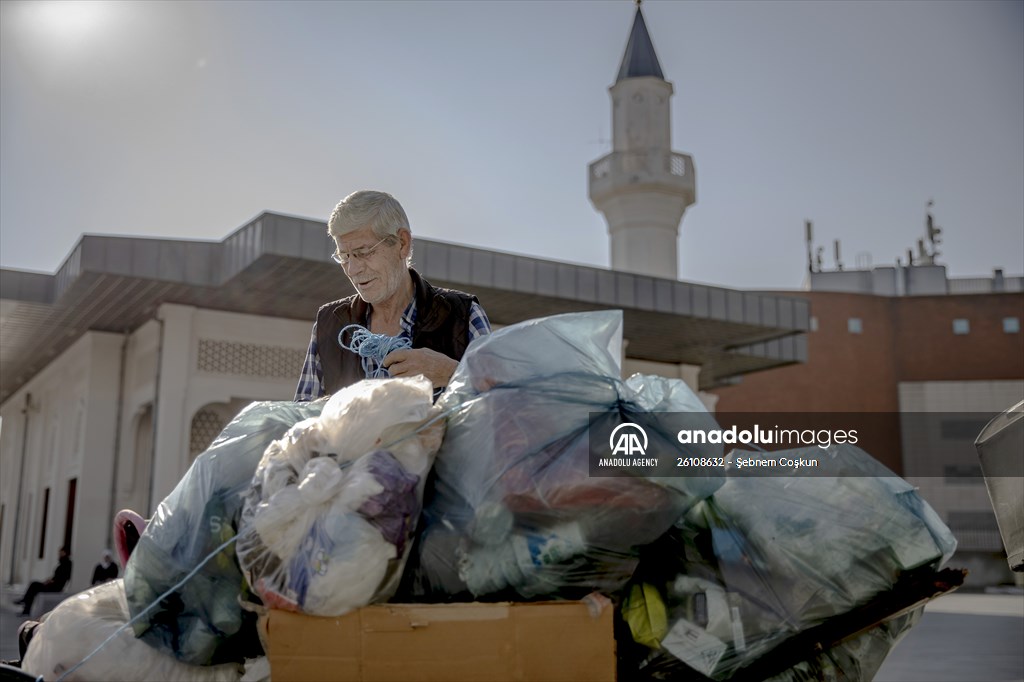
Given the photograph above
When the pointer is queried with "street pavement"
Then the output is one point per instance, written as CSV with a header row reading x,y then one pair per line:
x,y
9,622
960,638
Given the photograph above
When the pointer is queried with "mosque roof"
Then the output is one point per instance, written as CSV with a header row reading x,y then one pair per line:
x,y
639,58
279,266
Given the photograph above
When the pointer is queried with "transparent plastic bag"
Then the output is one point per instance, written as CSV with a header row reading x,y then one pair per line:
x,y
84,621
329,517
858,658
514,506
202,622
766,558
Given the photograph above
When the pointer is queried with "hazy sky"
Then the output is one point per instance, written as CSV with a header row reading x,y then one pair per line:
x,y
186,119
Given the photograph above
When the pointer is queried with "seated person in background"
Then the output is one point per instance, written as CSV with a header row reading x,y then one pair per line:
x,y
61,577
105,570
374,248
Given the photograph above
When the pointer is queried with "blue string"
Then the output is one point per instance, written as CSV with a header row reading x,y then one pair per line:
x,y
372,348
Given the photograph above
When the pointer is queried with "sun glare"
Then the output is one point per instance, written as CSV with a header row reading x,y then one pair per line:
x,y
68,19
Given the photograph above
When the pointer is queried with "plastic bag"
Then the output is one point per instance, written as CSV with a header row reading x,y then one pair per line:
x,y
82,622
765,558
333,504
515,507
202,622
858,658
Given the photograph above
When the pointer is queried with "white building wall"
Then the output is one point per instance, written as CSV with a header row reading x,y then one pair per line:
x,y
218,360
135,455
71,413
183,361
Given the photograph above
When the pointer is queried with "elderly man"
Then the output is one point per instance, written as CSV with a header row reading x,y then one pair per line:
x,y
374,247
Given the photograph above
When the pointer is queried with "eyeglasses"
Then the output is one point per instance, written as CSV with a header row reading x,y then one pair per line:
x,y
343,258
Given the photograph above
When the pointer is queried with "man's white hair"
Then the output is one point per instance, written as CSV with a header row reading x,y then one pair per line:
x,y
378,210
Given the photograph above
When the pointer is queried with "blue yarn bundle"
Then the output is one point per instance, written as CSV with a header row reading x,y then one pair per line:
x,y
372,347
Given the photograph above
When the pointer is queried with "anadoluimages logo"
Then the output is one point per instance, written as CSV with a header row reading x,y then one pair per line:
x,y
628,439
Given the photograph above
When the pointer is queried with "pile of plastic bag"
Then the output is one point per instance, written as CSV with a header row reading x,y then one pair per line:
x,y
330,514
326,501
515,511
766,558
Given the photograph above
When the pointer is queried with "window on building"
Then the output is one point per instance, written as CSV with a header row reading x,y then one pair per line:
x,y
975,530
814,323
961,326
69,514
46,519
206,424
961,429
1011,325
963,474
855,325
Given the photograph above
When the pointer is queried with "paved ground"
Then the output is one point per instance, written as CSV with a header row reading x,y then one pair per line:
x,y
961,638
9,622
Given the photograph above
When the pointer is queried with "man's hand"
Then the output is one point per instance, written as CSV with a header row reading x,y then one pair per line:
x,y
413,361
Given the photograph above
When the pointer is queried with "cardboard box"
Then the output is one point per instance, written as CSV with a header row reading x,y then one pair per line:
x,y
445,642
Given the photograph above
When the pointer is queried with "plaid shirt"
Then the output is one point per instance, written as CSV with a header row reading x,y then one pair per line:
x,y
312,378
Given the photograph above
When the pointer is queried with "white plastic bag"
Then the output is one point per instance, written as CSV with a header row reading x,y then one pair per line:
x,y
82,622
328,521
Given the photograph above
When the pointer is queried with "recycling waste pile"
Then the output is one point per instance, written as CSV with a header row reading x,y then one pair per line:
x,y
377,494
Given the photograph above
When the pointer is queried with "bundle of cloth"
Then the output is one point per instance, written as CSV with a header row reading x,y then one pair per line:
x,y
329,517
201,621
514,510
765,558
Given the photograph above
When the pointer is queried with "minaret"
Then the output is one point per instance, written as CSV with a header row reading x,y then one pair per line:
x,y
642,187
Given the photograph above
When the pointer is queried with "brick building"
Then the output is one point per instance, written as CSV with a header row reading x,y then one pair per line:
x,y
951,348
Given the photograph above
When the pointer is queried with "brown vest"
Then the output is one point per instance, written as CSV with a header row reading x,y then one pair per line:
x,y
442,324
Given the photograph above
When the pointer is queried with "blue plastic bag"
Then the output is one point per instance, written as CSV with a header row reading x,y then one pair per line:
x,y
202,622
514,506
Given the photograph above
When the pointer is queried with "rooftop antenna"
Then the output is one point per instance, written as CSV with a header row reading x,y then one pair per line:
x,y
809,238
933,232
839,262
819,257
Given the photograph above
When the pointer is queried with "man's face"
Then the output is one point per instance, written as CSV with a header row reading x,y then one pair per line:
x,y
379,273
